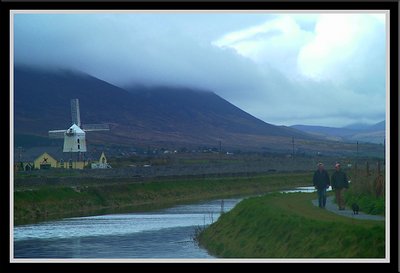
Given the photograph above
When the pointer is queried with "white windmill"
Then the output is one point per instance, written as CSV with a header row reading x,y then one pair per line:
x,y
75,136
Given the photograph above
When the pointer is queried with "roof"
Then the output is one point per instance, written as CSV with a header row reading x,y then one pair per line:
x,y
30,154
76,129
45,154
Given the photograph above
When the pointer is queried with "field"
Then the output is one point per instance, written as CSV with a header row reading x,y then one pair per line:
x,y
289,226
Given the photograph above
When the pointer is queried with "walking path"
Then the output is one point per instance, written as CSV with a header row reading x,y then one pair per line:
x,y
348,212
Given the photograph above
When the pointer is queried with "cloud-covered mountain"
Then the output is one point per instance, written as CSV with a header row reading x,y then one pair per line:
x,y
157,116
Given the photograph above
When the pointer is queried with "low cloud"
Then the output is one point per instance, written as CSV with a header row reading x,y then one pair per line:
x,y
322,69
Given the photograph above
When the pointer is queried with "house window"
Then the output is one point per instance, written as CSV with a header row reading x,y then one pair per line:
x,y
77,140
79,147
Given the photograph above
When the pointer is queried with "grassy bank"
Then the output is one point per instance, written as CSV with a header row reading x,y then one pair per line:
x,y
367,190
289,226
46,202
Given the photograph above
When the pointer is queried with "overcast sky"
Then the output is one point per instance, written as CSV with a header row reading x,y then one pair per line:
x,y
315,69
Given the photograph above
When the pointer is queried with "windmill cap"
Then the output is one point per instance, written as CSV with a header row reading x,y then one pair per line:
x,y
76,129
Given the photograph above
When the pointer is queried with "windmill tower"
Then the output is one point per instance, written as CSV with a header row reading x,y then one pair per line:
x,y
75,136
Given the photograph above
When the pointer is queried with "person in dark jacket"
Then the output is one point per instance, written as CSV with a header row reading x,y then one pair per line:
x,y
321,183
339,183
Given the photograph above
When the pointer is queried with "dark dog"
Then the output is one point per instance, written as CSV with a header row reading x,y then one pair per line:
x,y
355,208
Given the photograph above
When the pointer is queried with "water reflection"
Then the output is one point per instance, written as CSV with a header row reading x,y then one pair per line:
x,y
166,233
304,189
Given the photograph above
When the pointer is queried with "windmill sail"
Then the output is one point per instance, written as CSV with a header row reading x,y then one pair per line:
x,y
95,127
57,133
76,116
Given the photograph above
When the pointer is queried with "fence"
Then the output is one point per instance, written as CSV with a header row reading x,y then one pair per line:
x,y
368,178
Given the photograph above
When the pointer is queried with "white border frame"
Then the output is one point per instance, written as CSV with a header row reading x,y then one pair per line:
x,y
219,260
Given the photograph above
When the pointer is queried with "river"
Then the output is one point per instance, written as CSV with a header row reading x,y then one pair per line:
x,y
166,233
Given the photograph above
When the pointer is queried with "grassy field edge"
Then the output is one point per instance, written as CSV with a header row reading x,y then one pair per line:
x,y
289,226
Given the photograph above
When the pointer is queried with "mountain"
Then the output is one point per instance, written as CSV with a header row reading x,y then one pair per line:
x,y
374,133
140,116
331,133
366,127
380,126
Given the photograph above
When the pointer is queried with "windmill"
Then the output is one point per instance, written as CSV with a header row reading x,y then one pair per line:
x,y
75,136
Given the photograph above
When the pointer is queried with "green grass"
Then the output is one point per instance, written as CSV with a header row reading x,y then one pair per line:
x,y
289,226
367,203
362,191
57,201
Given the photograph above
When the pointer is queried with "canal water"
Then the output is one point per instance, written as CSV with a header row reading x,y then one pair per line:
x,y
166,233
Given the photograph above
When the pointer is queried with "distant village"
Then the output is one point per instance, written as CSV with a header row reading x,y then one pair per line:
x,y
53,157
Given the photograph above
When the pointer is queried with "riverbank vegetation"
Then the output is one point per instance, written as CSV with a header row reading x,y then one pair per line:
x,y
367,189
54,201
289,226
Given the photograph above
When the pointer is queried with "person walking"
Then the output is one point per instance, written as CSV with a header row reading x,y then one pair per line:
x,y
339,183
321,183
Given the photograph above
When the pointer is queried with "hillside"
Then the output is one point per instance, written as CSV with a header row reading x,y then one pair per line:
x,y
159,116
374,133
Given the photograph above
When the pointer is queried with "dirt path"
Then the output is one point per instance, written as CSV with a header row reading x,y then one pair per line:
x,y
348,212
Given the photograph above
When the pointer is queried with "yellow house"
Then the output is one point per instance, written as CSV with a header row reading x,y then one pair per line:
x,y
45,161
70,164
58,159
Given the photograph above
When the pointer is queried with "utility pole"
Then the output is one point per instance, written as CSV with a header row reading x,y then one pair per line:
x,y
355,173
357,149
20,164
219,158
293,146
357,156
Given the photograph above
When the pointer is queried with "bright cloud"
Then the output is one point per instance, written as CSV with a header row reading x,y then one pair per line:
x,y
337,43
276,43
335,68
